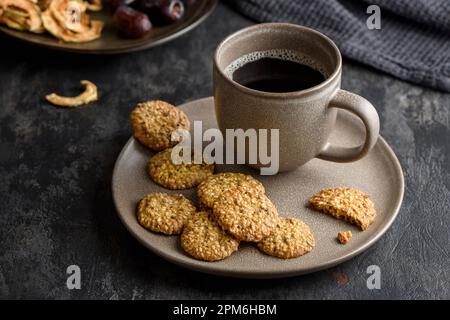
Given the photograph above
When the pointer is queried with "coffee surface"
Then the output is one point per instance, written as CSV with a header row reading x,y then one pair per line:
x,y
277,75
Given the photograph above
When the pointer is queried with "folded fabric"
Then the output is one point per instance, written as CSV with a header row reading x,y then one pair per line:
x,y
413,43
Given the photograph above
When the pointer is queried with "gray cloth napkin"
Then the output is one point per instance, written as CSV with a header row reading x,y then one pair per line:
x,y
413,43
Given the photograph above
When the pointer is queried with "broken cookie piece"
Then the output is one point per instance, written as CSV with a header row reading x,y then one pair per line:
x,y
344,236
346,204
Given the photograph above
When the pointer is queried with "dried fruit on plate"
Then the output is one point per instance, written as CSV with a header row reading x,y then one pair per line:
x,y
21,15
131,23
43,4
94,5
67,20
171,10
114,4
71,14
161,12
142,5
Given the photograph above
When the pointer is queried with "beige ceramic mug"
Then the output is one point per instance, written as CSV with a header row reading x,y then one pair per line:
x,y
303,118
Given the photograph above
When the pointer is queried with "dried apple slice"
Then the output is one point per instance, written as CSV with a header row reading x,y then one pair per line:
x,y
93,31
70,14
89,95
43,4
94,5
21,15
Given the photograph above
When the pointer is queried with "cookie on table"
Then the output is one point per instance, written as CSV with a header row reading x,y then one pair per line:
x,y
154,121
248,215
165,213
291,238
203,239
177,176
344,236
346,204
210,189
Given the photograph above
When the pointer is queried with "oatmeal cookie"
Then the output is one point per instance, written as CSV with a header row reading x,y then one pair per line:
x,y
165,213
203,239
291,238
246,215
177,176
210,189
154,121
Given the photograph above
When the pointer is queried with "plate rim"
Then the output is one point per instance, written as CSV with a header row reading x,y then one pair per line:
x,y
209,268
208,9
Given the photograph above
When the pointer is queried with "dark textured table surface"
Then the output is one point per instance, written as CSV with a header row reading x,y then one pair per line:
x,y
56,207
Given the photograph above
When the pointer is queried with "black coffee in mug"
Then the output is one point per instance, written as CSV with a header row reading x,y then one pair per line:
x,y
274,73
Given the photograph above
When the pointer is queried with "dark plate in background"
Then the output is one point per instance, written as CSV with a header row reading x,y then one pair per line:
x,y
111,42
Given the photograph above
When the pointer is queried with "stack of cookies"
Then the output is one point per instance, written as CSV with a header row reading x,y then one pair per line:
x,y
233,206
239,206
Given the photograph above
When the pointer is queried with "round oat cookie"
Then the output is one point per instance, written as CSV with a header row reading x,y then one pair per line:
x,y
245,214
154,121
177,176
203,239
291,238
210,189
165,213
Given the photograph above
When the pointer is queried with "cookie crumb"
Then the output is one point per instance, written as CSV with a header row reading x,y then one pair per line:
x,y
344,236
340,277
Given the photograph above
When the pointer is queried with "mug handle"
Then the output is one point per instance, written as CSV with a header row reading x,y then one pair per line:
x,y
369,116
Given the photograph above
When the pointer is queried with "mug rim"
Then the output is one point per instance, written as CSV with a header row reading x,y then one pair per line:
x,y
330,79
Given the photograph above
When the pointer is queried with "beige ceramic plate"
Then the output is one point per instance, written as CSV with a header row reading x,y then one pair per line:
x,y
111,42
379,174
